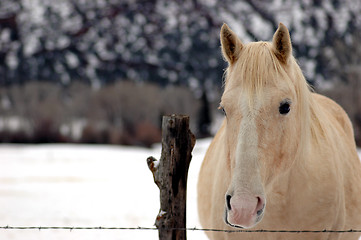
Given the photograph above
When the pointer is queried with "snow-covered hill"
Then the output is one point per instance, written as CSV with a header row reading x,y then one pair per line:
x,y
87,186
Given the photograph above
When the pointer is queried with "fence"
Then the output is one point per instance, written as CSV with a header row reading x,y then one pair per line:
x,y
179,229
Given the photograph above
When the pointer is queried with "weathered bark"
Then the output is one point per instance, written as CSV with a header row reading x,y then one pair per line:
x,y
170,175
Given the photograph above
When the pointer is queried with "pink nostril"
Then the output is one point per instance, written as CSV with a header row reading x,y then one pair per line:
x,y
260,205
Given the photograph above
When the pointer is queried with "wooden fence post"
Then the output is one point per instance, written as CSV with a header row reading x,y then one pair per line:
x,y
170,174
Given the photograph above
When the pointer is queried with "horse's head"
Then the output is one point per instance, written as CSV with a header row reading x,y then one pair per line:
x,y
262,100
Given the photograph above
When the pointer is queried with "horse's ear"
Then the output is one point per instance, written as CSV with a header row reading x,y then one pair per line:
x,y
231,45
282,43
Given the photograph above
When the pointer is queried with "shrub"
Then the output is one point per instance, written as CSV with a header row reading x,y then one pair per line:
x,y
121,113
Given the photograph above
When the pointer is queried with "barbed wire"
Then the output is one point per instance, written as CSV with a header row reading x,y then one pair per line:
x,y
180,229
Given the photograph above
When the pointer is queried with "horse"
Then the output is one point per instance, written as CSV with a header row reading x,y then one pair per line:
x,y
284,157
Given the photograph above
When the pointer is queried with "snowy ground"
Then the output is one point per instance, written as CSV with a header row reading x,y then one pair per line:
x,y
85,186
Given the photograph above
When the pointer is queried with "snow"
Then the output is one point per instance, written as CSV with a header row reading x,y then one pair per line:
x,y
85,186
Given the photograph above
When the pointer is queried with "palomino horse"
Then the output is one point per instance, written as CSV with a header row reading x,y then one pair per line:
x,y
284,157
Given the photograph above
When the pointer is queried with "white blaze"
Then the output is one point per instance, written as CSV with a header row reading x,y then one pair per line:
x,y
246,174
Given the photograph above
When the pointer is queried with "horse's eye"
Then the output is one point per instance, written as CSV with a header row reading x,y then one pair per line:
x,y
285,107
224,111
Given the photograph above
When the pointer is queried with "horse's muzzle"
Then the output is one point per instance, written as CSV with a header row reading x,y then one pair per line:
x,y
244,211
